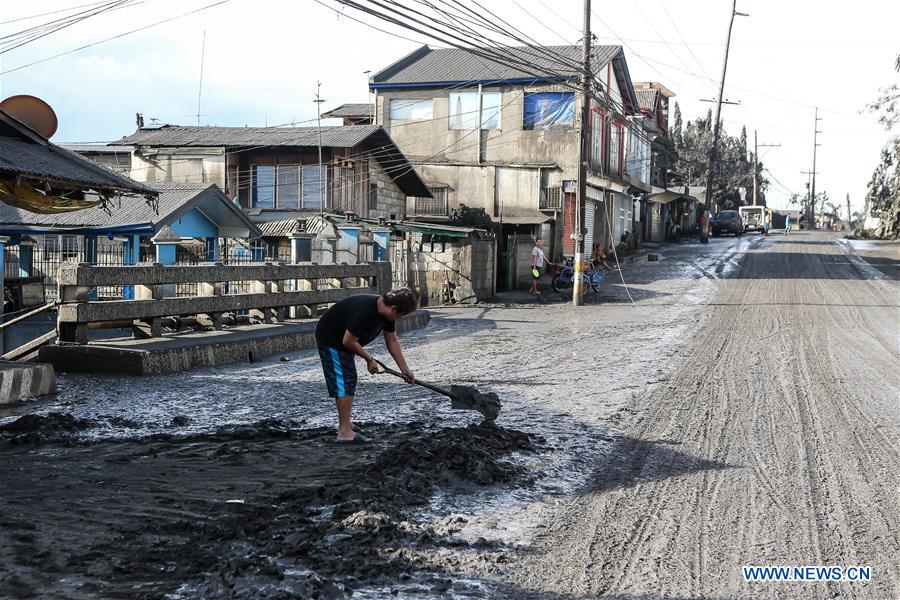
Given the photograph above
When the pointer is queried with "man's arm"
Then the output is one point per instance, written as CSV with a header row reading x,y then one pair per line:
x,y
351,343
393,345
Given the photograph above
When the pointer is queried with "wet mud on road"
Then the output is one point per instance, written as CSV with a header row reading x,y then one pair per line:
x,y
223,482
269,509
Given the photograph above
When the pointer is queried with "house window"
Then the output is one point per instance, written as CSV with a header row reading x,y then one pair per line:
x,y
410,109
551,198
463,111
263,184
312,187
549,110
615,149
275,186
432,206
373,196
342,197
598,134
287,192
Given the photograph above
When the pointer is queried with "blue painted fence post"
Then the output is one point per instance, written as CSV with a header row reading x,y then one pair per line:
x,y
90,257
165,242
132,256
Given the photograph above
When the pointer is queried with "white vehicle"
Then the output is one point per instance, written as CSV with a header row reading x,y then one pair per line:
x,y
756,218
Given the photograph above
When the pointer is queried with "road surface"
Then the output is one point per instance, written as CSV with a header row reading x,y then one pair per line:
x,y
784,411
742,410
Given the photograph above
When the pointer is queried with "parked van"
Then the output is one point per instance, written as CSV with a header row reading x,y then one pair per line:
x,y
756,218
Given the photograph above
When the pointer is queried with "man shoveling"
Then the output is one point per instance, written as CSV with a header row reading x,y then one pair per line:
x,y
341,335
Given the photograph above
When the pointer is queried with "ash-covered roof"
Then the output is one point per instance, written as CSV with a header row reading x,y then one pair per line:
x,y
283,228
24,152
350,111
647,99
443,65
174,198
344,136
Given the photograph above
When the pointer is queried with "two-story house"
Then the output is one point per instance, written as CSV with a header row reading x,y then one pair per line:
x,y
275,173
669,202
505,138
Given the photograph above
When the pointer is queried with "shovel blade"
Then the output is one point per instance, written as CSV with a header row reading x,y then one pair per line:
x,y
467,397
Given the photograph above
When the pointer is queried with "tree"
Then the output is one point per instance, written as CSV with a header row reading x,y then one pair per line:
x,y
734,169
676,126
883,194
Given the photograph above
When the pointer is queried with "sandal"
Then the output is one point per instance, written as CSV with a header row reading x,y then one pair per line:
x,y
358,439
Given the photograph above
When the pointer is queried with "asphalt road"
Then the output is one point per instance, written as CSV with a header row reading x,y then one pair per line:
x,y
784,413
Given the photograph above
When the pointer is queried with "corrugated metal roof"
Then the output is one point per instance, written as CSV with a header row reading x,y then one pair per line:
x,y
647,99
122,213
345,136
284,228
24,152
350,111
442,65
98,148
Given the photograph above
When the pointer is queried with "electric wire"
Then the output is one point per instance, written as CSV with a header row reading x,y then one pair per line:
x,y
120,35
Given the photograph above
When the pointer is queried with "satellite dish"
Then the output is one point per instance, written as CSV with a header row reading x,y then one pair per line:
x,y
33,112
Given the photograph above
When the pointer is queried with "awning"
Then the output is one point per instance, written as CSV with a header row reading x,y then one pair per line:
x,y
664,196
525,220
434,229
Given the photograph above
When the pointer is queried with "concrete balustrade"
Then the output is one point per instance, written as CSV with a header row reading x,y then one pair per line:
x,y
276,290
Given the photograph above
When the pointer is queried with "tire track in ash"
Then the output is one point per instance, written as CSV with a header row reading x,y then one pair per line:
x,y
780,417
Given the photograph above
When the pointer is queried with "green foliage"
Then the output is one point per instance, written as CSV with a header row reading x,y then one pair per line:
x,y
883,194
734,169
466,216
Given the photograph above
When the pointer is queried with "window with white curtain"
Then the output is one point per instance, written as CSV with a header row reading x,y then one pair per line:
x,y
410,109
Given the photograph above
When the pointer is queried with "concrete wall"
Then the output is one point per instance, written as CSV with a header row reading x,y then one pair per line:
x,y
450,157
182,165
509,144
464,264
391,201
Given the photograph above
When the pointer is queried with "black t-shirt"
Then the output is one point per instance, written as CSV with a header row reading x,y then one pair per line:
x,y
357,314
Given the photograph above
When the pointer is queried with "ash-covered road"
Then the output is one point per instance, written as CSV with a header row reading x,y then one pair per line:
x,y
774,441
620,468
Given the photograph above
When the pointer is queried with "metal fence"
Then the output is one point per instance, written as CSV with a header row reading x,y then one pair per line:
x,y
51,251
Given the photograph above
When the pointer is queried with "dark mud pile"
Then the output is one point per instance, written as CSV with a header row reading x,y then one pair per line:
x,y
266,510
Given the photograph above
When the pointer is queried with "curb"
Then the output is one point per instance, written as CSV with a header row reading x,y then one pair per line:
x,y
170,354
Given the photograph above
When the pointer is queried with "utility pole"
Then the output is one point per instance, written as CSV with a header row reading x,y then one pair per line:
x,y
711,175
756,164
811,209
583,154
319,102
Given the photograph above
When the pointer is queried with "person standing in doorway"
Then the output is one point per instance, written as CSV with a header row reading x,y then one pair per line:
x,y
538,263
342,333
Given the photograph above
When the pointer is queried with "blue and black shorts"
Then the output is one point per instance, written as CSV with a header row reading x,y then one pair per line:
x,y
339,367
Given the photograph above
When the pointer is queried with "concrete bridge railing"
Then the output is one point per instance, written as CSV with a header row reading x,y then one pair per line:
x,y
274,289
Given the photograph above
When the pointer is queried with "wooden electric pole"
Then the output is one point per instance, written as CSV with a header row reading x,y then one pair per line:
x,y
711,175
583,155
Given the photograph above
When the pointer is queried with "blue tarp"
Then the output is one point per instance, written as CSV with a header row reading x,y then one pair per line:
x,y
549,110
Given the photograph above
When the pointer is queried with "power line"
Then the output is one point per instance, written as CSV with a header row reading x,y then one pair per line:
x,y
52,12
43,60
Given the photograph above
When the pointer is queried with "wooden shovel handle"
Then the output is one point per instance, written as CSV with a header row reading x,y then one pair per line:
x,y
427,386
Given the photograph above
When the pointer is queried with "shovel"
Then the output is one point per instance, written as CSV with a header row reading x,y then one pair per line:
x,y
462,397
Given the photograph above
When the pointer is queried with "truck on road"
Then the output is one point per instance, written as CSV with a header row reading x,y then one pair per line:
x,y
756,218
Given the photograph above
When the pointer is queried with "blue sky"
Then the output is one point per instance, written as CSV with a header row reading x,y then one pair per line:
x,y
264,57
